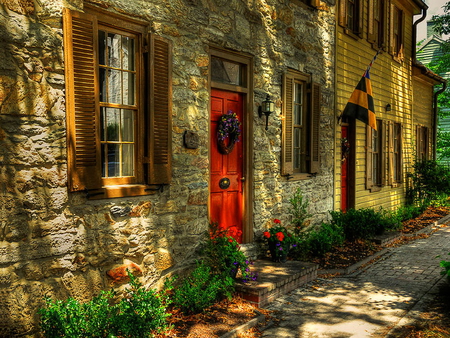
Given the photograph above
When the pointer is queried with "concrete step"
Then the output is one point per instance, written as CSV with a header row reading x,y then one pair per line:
x,y
275,279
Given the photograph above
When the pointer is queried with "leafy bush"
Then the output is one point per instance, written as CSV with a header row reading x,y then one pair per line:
x,y
222,254
446,266
423,187
202,289
139,313
363,223
408,212
320,241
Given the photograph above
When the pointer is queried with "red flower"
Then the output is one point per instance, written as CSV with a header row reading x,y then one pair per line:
x,y
277,221
266,234
280,236
230,240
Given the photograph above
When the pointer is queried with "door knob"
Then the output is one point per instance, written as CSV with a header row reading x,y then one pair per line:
x,y
242,179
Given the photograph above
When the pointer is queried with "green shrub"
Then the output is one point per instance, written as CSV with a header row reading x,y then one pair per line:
x,y
320,241
423,185
408,212
202,289
362,223
446,266
138,314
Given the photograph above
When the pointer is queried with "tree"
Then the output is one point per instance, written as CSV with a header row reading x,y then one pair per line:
x,y
441,65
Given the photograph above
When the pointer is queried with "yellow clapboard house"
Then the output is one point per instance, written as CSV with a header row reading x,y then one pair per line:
x,y
371,165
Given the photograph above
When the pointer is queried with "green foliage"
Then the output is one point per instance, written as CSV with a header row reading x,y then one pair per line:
x,y
407,212
320,241
281,240
138,314
222,253
446,266
201,289
299,211
424,187
364,223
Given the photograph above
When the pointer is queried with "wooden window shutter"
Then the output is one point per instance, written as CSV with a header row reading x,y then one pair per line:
x,y
391,154
287,161
342,13
400,139
160,108
371,33
315,128
383,150
369,180
360,23
80,44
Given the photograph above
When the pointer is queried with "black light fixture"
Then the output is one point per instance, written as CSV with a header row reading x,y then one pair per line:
x,y
388,107
267,107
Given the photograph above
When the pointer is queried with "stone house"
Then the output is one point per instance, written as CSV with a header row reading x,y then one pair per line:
x,y
109,151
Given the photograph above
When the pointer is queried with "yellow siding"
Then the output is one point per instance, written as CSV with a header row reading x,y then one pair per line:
x,y
391,83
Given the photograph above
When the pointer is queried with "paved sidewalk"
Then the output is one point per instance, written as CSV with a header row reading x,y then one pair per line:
x,y
368,303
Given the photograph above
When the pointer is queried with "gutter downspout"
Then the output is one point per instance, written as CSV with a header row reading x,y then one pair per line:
x,y
414,31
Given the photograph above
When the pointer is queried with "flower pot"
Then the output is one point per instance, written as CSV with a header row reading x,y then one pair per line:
x,y
277,252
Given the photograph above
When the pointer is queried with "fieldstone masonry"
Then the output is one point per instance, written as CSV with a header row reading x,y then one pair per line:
x,y
60,244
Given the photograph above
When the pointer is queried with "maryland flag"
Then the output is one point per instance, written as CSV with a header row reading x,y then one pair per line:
x,y
360,105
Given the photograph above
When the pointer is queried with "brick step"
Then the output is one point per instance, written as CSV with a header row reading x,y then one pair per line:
x,y
275,280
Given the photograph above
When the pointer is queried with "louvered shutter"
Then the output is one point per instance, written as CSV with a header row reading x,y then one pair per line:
x,y
360,23
383,147
391,154
315,128
371,32
287,164
160,121
342,19
80,43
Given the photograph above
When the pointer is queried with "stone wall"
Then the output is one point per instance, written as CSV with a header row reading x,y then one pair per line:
x,y
60,244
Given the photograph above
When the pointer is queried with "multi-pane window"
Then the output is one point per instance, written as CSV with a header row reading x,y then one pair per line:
x,y
301,155
350,16
118,89
422,143
397,33
376,148
375,164
118,109
377,23
301,110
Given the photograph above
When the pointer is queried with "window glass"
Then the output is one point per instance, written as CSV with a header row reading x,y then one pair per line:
x,y
117,98
225,71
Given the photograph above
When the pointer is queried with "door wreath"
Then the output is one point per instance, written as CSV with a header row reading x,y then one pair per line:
x,y
228,132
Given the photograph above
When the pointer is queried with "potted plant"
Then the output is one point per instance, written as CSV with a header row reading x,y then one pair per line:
x,y
279,241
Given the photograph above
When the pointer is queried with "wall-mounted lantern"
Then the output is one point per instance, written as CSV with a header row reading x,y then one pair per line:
x,y
388,107
267,107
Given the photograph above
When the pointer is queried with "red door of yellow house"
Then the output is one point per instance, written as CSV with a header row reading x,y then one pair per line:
x,y
226,167
344,168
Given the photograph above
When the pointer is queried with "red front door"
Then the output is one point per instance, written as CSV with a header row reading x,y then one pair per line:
x,y
344,167
226,170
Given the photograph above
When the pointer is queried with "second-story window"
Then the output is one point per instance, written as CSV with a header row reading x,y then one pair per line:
x,y
350,16
397,34
377,26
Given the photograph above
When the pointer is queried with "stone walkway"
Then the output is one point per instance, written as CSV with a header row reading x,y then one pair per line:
x,y
368,303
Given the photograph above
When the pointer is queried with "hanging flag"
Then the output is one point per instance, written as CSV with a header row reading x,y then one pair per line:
x,y
360,105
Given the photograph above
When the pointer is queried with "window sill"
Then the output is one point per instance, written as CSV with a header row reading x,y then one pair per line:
x,y
126,190
299,177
